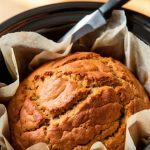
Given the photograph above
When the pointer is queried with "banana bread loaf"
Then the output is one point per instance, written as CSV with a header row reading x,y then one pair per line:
x,y
71,103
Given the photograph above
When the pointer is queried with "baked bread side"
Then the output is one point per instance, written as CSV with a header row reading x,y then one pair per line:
x,y
75,101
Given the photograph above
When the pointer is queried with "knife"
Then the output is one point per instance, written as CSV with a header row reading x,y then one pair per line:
x,y
93,21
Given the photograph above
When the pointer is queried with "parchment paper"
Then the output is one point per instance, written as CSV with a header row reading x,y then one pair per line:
x,y
24,51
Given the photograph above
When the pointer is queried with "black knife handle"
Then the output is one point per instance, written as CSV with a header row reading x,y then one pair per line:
x,y
108,7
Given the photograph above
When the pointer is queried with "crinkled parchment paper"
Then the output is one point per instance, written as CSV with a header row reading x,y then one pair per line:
x,y
25,51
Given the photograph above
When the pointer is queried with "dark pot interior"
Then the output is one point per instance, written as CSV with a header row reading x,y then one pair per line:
x,y
54,20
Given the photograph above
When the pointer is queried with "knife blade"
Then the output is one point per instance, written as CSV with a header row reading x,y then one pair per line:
x,y
93,21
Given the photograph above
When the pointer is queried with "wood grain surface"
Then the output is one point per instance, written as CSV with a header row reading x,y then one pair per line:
x,y
9,8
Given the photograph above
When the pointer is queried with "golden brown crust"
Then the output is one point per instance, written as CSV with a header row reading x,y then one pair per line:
x,y
75,101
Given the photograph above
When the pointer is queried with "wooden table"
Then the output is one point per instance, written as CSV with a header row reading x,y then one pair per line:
x,y
9,8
